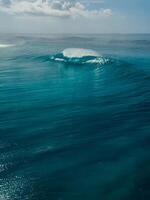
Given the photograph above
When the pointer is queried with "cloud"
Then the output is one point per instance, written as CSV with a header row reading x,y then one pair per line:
x,y
55,8
107,12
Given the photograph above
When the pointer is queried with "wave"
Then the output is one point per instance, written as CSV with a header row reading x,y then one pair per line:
x,y
6,45
79,56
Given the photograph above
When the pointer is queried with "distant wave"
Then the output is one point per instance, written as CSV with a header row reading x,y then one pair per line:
x,y
79,56
6,45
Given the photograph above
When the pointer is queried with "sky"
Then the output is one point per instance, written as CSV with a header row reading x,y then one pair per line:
x,y
74,16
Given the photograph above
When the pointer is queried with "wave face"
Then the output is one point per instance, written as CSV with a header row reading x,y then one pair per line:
x,y
79,56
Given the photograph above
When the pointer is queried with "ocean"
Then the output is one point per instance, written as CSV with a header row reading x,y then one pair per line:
x,y
74,117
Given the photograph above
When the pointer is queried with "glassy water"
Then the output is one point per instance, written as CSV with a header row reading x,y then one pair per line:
x,y
74,123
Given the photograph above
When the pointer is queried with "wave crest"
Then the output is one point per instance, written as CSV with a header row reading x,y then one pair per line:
x,y
79,53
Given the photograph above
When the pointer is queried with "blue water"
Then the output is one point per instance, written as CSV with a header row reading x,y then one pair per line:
x,y
72,128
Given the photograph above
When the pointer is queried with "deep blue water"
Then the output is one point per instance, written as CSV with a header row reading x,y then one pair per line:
x,y
72,129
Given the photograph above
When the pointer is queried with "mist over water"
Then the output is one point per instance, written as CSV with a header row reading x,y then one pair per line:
x,y
75,114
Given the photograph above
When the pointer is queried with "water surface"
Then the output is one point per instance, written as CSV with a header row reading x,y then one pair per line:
x,y
74,128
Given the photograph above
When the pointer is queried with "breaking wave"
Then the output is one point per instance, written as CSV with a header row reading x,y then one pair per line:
x,y
79,56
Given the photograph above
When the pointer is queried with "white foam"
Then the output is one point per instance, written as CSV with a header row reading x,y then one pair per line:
x,y
99,60
79,53
59,59
6,45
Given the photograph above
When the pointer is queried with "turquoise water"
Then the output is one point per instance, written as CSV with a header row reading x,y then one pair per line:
x,y
74,123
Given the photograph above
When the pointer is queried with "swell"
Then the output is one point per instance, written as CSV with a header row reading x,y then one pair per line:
x,y
60,58
30,58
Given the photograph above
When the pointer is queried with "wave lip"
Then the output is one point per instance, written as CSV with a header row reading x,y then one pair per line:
x,y
79,53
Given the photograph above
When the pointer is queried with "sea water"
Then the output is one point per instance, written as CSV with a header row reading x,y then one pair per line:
x,y
74,117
